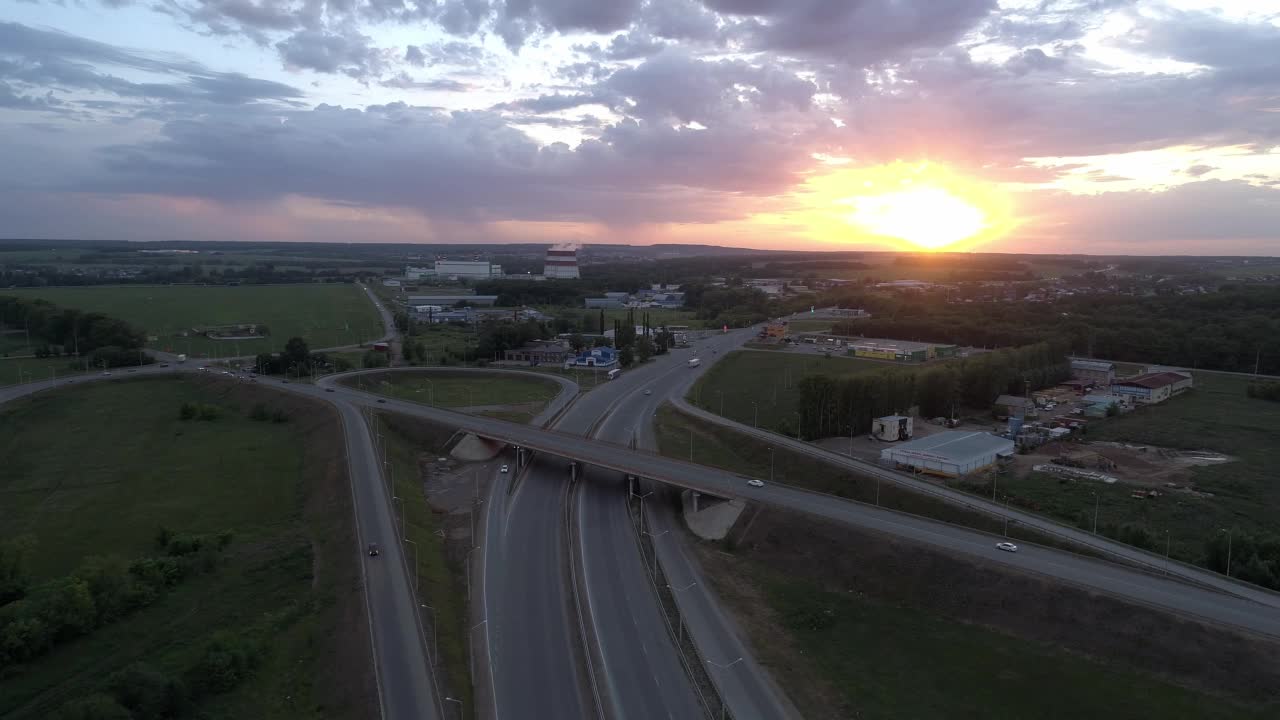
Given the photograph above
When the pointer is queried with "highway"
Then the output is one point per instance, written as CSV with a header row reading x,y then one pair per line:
x,y
1256,613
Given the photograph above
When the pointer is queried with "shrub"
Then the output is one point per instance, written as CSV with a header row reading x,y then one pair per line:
x,y
227,661
94,707
187,411
149,694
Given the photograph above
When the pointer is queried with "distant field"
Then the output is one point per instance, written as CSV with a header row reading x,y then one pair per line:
x,y
799,326
99,470
19,370
326,315
769,379
462,389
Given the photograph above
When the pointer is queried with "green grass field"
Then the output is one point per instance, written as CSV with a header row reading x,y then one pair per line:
x,y
442,582
327,315
19,370
460,389
769,379
901,663
98,470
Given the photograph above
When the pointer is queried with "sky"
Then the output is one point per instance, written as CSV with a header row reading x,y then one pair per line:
x,y
1042,126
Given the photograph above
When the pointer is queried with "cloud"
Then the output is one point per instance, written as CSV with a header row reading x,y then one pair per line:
x,y
1198,170
52,62
413,55
854,32
403,81
348,53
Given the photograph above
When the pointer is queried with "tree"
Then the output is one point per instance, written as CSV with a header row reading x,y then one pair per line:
x,y
295,351
577,342
643,348
626,357
147,693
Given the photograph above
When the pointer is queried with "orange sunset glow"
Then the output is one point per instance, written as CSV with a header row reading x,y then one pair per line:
x,y
909,206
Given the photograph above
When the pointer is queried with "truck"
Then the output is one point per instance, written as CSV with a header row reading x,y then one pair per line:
x,y
694,362
182,358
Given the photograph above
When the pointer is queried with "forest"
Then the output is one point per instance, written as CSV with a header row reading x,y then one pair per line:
x,y
840,406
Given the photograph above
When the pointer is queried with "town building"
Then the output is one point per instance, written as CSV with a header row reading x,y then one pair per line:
x,y
540,352
561,262
950,453
593,357
417,273
1153,388
604,303
1094,371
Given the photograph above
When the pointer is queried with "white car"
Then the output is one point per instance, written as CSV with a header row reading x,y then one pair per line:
x,y
504,468
648,392
1007,547
755,483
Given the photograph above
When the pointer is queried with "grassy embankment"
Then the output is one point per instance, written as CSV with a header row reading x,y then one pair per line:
x,y
1217,416
441,575
327,315
99,470
842,655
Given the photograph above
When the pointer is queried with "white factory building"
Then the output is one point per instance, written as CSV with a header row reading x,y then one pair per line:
x,y
949,454
561,262
468,269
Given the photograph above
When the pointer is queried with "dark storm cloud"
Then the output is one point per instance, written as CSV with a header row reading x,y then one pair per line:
x,y
50,61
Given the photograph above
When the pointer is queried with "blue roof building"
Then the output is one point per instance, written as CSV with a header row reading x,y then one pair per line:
x,y
594,357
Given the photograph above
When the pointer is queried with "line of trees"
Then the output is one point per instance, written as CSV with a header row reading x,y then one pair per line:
x,y
36,618
839,406
1264,391
57,330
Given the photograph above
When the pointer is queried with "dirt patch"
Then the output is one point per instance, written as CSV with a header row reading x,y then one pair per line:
x,y
844,560
345,686
1141,465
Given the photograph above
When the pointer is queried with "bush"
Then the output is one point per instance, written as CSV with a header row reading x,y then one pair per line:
x,y
227,661
279,416
149,694
187,411
208,412
259,413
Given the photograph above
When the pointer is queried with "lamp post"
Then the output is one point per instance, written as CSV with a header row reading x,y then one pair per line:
x,y
1095,512
1229,533
771,465
755,418
461,707
680,620
473,655
654,542
798,425
435,638
417,591
723,709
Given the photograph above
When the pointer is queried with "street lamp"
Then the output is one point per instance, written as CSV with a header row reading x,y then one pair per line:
x,y
755,419
435,638
416,589
1228,532
770,464
473,655
654,541
723,709
461,707
1095,512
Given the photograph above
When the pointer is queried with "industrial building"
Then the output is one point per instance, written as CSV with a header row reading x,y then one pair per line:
x,y
950,454
1014,406
892,428
561,262
468,270
604,303
1153,387
451,300
1096,372
540,352
897,350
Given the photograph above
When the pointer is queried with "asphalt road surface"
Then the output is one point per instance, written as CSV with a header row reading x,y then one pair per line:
x,y
1256,614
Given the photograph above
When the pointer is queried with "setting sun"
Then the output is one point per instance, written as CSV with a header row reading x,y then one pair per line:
x,y
928,217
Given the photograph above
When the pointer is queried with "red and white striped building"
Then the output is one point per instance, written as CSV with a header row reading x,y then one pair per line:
x,y
561,262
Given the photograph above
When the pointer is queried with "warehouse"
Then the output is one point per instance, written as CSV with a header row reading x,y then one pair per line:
x,y
1155,387
1093,371
949,454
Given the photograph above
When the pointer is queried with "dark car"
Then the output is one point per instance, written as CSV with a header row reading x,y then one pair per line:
x,y
373,549
381,400
328,389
